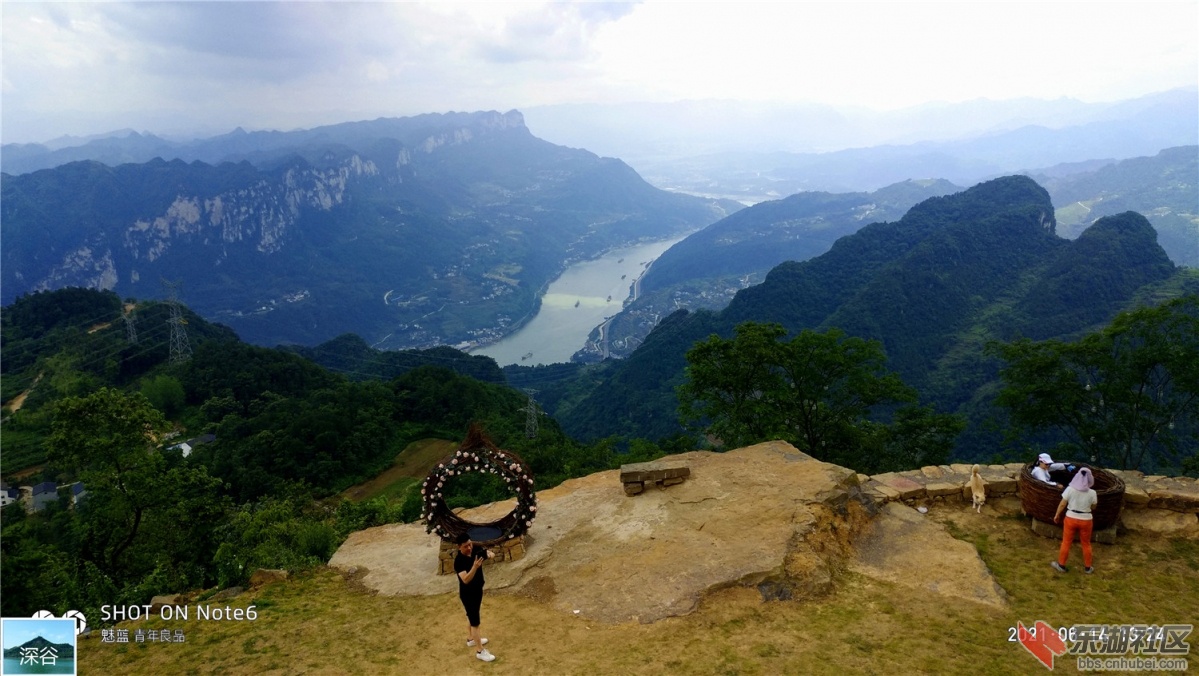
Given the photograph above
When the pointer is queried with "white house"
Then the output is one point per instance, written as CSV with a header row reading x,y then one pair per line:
x,y
8,495
78,494
44,494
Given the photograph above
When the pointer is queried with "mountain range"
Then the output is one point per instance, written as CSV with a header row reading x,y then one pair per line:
x,y
934,286
760,151
706,269
410,232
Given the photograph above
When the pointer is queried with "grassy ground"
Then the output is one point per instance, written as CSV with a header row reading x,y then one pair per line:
x,y
319,623
412,464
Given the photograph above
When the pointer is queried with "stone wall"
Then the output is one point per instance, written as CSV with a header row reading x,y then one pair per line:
x,y
1155,504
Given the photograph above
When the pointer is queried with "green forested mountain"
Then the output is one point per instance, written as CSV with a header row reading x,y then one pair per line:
x,y
934,287
411,233
1163,188
707,268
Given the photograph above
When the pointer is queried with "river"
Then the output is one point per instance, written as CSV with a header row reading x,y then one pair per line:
x,y
579,300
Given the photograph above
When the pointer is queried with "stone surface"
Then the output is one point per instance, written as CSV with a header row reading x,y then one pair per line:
x,y
158,602
266,576
1161,522
932,472
904,547
1000,484
1135,497
653,471
937,489
882,489
908,489
1004,506
1176,499
767,516
226,594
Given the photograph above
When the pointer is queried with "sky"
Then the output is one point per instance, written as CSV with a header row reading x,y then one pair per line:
x,y
18,631
202,68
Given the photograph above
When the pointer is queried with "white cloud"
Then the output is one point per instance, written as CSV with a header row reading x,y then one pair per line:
x,y
207,67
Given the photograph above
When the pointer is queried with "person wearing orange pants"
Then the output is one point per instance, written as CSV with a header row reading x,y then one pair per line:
x,y
1077,501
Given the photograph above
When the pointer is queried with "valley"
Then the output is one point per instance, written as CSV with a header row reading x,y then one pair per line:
x,y
582,298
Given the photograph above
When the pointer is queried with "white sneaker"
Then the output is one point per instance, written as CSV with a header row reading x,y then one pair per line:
x,y
485,656
470,642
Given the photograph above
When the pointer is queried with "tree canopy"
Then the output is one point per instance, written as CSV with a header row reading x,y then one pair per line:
x,y
817,391
1126,396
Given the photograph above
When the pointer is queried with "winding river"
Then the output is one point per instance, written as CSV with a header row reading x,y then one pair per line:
x,y
579,300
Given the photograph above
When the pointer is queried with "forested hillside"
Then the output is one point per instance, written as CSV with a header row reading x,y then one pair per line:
x,y
1162,188
933,287
707,268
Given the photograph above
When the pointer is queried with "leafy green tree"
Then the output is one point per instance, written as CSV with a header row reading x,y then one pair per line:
x,y
165,393
144,511
917,436
1122,396
816,390
737,385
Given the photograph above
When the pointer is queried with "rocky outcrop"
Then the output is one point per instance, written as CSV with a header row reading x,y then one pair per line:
x,y
766,516
902,546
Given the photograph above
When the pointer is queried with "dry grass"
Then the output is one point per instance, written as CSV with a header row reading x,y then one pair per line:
x,y
321,624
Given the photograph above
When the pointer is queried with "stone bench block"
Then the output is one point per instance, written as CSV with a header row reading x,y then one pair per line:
x,y
936,490
652,471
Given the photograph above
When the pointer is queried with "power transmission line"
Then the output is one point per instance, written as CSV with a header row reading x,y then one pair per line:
x,y
130,326
181,349
530,409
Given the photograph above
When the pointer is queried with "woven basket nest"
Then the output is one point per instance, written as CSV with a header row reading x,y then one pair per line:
x,y
479,454
1040,500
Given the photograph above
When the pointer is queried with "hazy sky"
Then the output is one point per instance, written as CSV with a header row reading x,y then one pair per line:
x,y
177,68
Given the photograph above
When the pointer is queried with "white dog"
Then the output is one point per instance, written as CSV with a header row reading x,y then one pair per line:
x,y
978,489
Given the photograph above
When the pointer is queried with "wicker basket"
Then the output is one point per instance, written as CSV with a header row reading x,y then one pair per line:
x,y
1040,500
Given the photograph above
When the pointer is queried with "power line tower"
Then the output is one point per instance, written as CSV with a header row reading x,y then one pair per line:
x,y
181,349
531,412
130,326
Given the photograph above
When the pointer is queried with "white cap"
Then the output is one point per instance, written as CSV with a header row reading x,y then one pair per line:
x,y
1044,457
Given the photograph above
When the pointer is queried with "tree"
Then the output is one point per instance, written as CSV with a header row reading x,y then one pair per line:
x,y
143,510
815,391
1122,396
735,385
165,393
